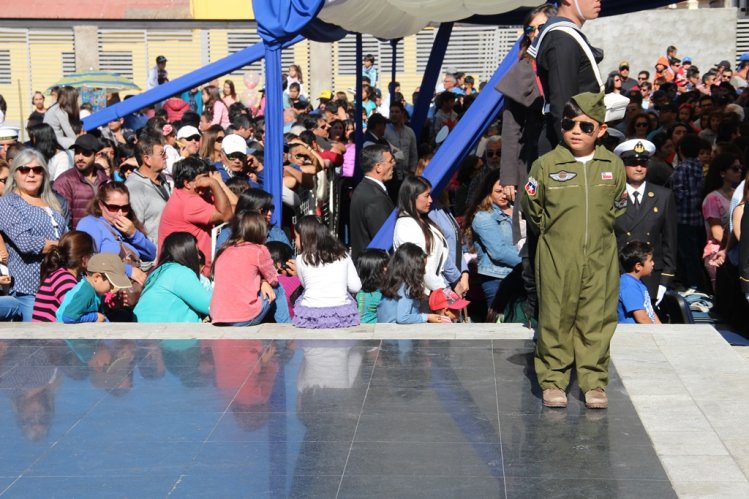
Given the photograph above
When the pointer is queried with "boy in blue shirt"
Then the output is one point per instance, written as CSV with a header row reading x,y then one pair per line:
x,y
104,272
635,306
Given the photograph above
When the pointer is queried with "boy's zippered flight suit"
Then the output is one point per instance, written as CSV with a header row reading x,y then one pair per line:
x,y
572,206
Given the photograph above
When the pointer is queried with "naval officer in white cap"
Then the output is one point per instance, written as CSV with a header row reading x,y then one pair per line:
x,y
650,216
8,137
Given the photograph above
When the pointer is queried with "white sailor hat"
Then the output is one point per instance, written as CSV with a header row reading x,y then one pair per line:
x,y
8,133
635,149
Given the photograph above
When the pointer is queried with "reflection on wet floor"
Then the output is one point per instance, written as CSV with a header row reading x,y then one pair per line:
x,y
228,418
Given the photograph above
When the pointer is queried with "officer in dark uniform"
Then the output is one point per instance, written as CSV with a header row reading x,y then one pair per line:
x,y
650,215
563,64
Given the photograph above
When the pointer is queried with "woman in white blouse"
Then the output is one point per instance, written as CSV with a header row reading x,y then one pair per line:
x,y
413,226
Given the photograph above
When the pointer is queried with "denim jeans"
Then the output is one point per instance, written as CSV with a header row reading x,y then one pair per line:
x,y
490,286
279,307
10,309
27,305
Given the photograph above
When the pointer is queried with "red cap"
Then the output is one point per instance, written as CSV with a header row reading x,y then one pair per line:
x,y
439,300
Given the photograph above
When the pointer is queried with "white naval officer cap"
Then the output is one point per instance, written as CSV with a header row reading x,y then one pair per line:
x,y
635,149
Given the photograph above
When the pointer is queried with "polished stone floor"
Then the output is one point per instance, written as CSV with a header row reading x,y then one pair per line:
x,y
326,418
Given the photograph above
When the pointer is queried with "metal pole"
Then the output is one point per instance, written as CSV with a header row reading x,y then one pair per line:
x,y
358,133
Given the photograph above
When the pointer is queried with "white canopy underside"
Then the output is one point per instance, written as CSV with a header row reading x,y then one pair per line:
x,y
400,18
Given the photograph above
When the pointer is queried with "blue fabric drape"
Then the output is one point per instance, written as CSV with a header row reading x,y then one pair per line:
x,y
278,21
181,84
429,81
460,141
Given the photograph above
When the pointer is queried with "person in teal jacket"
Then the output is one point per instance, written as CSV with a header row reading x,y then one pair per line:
x,y
173,291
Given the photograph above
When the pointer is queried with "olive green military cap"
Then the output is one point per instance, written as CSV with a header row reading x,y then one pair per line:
x,y
592,105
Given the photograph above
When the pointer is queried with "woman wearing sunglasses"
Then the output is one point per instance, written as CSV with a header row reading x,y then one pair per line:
x,y
522,119
32,222
115,229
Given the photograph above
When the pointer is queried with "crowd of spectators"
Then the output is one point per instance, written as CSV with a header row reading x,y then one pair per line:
x,y
176,193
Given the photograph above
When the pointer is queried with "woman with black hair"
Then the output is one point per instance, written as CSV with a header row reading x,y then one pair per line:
x,y
44,140
259,201
414,226
488,230
613,83
724,175
173,292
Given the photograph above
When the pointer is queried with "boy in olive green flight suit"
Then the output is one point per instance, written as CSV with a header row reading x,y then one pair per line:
x,y
573,195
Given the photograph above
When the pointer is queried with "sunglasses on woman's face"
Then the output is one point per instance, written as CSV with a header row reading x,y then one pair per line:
x,y
585,126
114,208
25,169
220,139
641,125
529,30
193,138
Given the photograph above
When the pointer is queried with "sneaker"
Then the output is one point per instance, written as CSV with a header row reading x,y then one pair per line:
x,y
554,397
596,399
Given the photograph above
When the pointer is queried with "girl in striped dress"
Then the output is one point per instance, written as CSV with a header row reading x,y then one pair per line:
x,y
60,271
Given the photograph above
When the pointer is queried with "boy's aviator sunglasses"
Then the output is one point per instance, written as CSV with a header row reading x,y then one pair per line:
x,y
585,126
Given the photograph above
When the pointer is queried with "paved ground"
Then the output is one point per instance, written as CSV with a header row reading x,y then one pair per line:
x,y
679,405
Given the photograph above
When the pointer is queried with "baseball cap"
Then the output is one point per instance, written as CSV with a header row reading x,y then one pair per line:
x,y
234,143
187,131
440,300
87,142
111,266
624,64
326,95
724,64
687,60
160,59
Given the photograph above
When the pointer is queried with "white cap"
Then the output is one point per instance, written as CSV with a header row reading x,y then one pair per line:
x,y
187,131
635,148
8,133
234,143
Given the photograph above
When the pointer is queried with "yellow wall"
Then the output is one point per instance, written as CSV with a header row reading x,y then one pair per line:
x,y
221,9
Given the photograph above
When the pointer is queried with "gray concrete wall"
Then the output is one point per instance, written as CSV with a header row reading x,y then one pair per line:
x,y
708,36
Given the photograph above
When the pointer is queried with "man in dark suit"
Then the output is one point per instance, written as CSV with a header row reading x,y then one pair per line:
x,y
370,203
650,216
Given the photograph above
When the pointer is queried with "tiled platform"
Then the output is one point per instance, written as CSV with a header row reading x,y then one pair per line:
x,y
237,416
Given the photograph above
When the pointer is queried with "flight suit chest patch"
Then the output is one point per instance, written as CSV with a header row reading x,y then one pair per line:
x,y
562,176
531,187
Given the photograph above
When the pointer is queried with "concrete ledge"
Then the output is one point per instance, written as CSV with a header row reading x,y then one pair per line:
x,y
16,330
